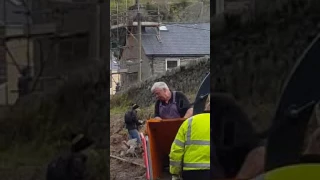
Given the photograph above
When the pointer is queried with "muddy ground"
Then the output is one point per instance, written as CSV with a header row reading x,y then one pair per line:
x,y
122,170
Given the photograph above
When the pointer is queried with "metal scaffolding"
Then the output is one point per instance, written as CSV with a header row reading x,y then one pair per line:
x,y
30,32
129,23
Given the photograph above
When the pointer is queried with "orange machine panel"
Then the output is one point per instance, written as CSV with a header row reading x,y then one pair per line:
x,y
161,134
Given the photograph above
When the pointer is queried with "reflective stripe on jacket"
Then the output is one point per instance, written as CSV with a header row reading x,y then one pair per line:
x,y
191,147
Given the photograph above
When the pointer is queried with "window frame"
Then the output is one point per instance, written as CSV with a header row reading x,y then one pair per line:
x,y
172,59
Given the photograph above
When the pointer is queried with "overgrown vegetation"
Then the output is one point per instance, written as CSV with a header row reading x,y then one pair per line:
x,y
116,107
170,10
39,127
256,78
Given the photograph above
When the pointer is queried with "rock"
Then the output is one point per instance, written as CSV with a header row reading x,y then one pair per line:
x,y
124,146
130,148
122,153
132,143
116,139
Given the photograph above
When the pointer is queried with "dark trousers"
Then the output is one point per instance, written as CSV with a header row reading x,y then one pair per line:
x,y
196,174
134,134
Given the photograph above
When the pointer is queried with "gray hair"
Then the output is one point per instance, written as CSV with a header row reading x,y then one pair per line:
x,y
160,85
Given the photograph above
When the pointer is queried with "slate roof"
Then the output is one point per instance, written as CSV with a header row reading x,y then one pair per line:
x,y
12,18
179,39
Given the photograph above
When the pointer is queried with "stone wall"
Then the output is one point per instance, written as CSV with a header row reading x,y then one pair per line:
x,y
253,62
185,79
159,63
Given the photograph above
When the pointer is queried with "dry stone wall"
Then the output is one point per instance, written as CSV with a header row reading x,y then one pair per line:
x,y
186,79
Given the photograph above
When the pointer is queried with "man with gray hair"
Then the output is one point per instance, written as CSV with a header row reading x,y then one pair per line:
x,y
170,104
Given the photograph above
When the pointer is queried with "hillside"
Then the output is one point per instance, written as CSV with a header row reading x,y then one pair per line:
x,y
255,60
192,11
186,79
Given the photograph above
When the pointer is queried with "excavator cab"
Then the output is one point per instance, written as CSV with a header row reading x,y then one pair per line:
x,y
161,133
285,142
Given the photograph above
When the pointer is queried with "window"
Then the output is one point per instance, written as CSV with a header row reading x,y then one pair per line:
x,y
172,63
163,28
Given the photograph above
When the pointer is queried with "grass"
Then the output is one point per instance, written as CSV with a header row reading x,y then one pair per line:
x,y
144,113
25,155
28,155
97,164
39,129
119,103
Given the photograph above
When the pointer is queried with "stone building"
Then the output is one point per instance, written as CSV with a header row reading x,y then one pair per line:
x,y
114,76
13,51
164,48
63,37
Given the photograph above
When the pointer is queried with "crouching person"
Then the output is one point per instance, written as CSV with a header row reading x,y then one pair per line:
x,y
72,164
190,151
132,123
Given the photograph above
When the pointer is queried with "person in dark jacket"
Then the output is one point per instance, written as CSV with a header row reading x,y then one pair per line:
x,y
117,87
132,123
71,165
24,82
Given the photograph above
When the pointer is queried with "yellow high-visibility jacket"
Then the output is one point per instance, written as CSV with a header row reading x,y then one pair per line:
x,y
191,147
292,172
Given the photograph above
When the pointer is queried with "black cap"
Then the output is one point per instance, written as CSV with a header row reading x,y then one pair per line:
x,y
81,142
135,106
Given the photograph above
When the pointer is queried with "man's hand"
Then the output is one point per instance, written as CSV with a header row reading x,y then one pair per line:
x,y
158,118
141,122
175,177
189,113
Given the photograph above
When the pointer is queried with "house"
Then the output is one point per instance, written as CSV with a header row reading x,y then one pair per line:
x,y
14,57
63,37
79,38
164,48
114,75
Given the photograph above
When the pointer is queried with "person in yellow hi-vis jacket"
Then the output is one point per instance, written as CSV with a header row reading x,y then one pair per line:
x,y
190,151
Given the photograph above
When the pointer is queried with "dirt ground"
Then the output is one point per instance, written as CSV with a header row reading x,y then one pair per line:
x,y
122,170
